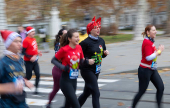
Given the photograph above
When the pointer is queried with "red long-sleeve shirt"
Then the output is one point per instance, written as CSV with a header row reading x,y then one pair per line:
x,y
148,48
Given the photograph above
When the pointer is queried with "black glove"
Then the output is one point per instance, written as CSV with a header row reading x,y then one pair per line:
x,y
66,68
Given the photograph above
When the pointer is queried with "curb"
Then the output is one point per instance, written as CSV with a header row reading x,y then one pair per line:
x,y
129,71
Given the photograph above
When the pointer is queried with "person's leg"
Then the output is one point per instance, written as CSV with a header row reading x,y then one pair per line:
x,y
158,83
91,87
56,72
144,75
29,68
83,97
66,104
37,74
95,91
68,88
86,92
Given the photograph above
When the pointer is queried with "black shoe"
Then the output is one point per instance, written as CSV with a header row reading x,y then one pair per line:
x,y
36,93
64,107
48,106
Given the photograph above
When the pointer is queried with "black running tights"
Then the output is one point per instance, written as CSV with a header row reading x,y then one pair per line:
x,y
30,66
91,87
146,75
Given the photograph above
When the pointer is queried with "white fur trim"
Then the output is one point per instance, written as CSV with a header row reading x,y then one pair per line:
x,y
31,30
10,38
7,52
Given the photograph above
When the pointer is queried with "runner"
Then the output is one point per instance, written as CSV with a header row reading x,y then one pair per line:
x,y
31,55
147,70
11,73
56,72
71,55
93,48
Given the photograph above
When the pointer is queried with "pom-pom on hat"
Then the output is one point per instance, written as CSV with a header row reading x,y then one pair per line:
x,y
8,37
29,29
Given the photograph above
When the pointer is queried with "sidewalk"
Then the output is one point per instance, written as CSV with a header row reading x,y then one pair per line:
x,y
124,56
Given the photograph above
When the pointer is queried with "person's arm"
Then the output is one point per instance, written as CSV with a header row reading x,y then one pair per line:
x,y
148,51
59,65
58,57
85,61
105,52
25,46
25,54
10,88
28,84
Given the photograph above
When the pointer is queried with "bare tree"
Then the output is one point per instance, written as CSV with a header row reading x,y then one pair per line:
x,y
167,30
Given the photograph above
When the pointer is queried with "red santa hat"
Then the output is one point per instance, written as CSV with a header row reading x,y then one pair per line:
x,y
8,37
94,24
29,29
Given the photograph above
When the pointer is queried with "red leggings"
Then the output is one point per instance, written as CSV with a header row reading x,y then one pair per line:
x,y
56,72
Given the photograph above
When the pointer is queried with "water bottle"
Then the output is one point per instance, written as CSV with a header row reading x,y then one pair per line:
x,y
37,58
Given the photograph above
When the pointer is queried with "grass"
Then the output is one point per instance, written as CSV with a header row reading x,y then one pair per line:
x,y
159,34
117,38
38,39
126,30
108,39
160,29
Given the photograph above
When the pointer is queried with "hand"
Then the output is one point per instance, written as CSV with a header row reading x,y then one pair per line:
x,y
39,53
33,58
66,68
28,84
106,52
19,88
91,61
161,48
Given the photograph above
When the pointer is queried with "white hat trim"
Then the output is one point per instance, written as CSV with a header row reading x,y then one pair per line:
x,y
31,30
10,38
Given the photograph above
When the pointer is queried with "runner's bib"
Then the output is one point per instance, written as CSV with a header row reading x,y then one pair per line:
x,y
154,65
74,73
98,68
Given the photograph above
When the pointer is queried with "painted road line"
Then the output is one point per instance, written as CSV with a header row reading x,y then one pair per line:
x,y
37,102
81,79
51,83
44,90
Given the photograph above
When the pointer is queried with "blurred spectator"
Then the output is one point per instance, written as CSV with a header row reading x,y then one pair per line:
x,y
22,32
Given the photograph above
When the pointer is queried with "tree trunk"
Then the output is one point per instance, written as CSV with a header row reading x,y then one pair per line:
x,y
140,19
167,31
